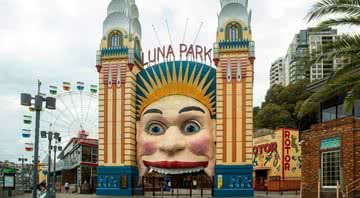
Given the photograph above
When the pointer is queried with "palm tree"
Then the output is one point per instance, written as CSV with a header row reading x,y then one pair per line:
x,y
333,13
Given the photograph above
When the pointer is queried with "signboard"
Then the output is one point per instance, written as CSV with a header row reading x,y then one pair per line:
x,y
330,143
193,52
287,148
9,181
267,148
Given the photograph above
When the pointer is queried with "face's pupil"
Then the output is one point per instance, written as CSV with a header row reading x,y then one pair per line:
x,y
155,129
191,129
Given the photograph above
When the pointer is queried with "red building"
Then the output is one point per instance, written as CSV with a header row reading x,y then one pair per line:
x,y
331,149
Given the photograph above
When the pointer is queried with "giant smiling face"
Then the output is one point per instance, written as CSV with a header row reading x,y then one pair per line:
x,y
175,135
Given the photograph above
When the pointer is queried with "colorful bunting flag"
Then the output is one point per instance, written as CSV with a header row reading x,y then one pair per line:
x,y
80,86
93,89
66,86
26,133
29,146
27,119
53,90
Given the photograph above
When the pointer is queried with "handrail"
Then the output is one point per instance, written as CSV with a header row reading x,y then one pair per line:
x,y
352,190
353,182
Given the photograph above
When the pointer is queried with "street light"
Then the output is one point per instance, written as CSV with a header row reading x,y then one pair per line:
x,y
56,136
22,160
38,103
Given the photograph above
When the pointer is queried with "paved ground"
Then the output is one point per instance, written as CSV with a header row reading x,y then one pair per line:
x,y
257,195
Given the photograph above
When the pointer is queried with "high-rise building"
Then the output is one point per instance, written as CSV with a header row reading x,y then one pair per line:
x,y
278,72
325,67
305,43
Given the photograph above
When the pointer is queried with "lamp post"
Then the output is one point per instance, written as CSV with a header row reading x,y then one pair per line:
x,y
22,160
56,136
56,147
38,105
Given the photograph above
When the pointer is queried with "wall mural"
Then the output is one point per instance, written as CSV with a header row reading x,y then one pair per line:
x,y
279,151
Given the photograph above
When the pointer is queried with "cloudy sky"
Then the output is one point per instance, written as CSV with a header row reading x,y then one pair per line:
x,y
56,41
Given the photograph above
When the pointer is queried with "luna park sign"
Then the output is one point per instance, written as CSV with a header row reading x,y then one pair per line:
x,y
168,52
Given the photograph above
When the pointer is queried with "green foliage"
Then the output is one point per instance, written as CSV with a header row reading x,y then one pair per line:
x,y
273,116
282,106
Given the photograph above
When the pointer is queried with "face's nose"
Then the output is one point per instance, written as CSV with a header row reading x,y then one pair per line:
x,y
172,141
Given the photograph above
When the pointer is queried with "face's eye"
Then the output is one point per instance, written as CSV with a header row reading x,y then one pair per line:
x,y
155,128
191,127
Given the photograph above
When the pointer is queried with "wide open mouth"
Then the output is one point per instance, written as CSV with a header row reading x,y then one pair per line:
x,y
175,167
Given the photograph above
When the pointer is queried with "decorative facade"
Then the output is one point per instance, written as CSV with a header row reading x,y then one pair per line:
x,y
131,146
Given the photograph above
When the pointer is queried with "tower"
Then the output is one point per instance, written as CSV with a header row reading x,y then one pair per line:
x,y
118,62
234,55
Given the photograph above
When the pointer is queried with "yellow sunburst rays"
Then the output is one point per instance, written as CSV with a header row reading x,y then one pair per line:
x,y
189,85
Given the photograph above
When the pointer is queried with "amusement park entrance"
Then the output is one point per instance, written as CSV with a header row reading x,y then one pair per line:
x,y
178,185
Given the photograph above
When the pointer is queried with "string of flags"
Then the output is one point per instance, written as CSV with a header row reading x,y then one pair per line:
x,y
29,146
53,90
26,133
93,89
66,86
27,119
80,86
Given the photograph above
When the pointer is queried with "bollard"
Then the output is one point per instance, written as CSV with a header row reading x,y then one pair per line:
x,y
319,193
337,189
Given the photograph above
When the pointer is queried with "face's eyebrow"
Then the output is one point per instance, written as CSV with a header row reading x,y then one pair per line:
x,y
191,108
153,111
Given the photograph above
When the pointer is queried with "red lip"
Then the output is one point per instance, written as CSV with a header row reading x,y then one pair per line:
x,y
176,164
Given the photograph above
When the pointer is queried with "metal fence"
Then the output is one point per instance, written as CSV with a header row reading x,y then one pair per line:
x,y
156,186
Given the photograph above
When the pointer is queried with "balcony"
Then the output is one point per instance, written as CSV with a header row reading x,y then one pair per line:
x,y
234,44
115,51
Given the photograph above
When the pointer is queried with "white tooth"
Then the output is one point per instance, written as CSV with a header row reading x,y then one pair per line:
x,y
176,171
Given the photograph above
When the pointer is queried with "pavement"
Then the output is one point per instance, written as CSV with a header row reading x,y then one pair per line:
x,y
257,195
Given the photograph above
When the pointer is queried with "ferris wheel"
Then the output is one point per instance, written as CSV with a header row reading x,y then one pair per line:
x,y
76,114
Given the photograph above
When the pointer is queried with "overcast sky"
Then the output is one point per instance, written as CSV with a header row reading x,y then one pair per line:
x,y
56,41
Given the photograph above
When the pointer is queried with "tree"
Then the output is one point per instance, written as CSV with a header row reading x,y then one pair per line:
x,y
273,116
337,13
288,101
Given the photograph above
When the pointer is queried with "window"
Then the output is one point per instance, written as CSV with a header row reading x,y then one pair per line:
x,y
341,113
233,31
329,114
357,109
330,168
86,154
94,155
115,39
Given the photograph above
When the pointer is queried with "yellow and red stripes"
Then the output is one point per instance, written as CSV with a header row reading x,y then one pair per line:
x,y
114,101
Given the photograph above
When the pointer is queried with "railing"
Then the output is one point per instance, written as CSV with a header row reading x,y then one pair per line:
x,y
227,44
352,187
115,51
